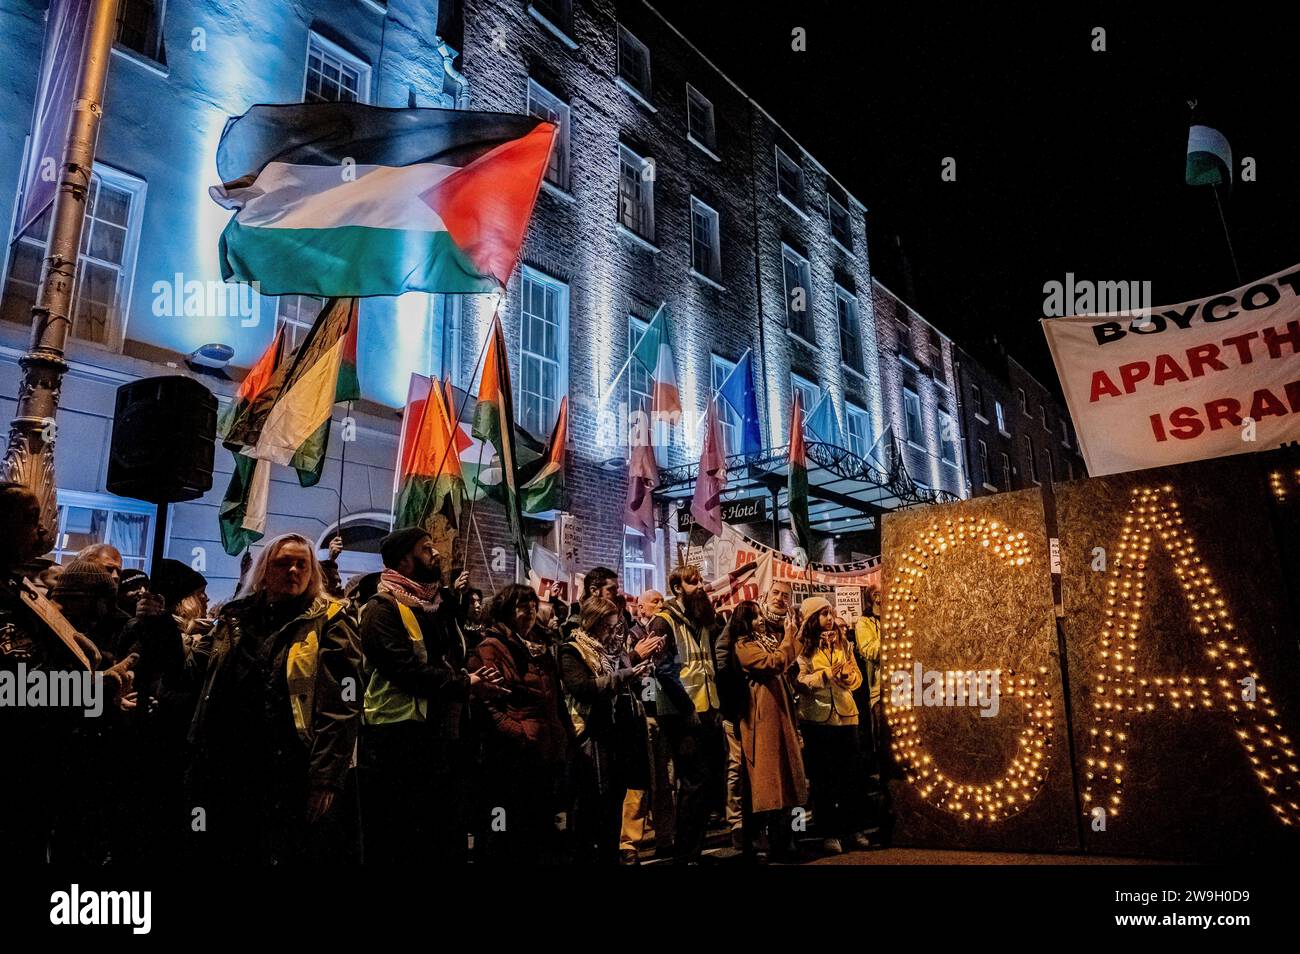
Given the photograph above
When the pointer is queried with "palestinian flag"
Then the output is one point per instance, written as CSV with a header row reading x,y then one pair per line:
x,y
544,489
428,471
242,514
494,419
282,415
288,421
797,488
655,354
1209,157
463,441
346,199
254,383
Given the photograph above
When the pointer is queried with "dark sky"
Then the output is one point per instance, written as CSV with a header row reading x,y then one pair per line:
x,y
1067,160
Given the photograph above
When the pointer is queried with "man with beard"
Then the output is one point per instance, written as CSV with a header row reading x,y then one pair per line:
x,y
417,687
686,706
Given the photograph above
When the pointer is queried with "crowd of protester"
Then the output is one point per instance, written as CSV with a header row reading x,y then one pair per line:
x,y
405,716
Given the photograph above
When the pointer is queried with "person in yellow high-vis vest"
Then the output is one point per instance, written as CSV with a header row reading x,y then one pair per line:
x,y
276,722
687,708
413,768
828,722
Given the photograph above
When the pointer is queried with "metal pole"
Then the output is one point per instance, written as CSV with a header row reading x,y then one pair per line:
x,y
29,457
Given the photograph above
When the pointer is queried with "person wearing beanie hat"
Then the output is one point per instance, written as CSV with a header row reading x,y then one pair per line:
x,y
417,688
87,594
174,581
828,721
395,547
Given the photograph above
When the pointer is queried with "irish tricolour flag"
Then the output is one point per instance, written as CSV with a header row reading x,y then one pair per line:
x,y
345,199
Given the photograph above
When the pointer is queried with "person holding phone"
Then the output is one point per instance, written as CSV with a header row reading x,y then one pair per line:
x,y
828,719
602,682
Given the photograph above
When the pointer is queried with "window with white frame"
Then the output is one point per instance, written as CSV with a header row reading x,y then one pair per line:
x,y
86,519
798,293
699,119
1006,472
139,27
912,422
633,62
1042,414
982,450
636,193
728,419
296,314
789,178
333,74
640,572
809,393
1002,423
110,233
544,335
947,438
546,105
706,240
1051,465
1024,403
1065,433
858,423
846,311
841,226
937,367
977,400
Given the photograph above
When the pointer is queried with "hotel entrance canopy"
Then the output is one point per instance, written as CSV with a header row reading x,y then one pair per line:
x,y
846,493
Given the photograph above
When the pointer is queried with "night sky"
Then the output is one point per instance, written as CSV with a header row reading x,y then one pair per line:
x,y
1067,160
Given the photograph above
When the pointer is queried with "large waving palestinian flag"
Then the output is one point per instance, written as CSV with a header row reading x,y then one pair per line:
x,y
345,199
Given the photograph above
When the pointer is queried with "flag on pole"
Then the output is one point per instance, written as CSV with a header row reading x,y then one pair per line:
x,y
824,423
255,382
288,422
545,488
738,391
347,199
642,479
463,440
282,415
429,475
655,354
494,420
706,507
1209,157
797,488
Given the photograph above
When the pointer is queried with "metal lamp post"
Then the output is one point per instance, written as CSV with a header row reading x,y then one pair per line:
x,y
29,458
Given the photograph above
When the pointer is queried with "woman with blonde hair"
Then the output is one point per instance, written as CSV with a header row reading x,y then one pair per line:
x,y
275,728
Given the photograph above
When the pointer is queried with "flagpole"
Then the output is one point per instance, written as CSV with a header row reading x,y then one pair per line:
x,y
478,469
29,457
631,354
482,551
343,463
1222,219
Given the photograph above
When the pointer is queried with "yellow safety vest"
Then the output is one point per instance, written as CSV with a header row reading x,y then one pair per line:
x,y
300,674
696,656
384,702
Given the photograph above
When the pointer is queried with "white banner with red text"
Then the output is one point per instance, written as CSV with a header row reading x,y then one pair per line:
x,y
1205,378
